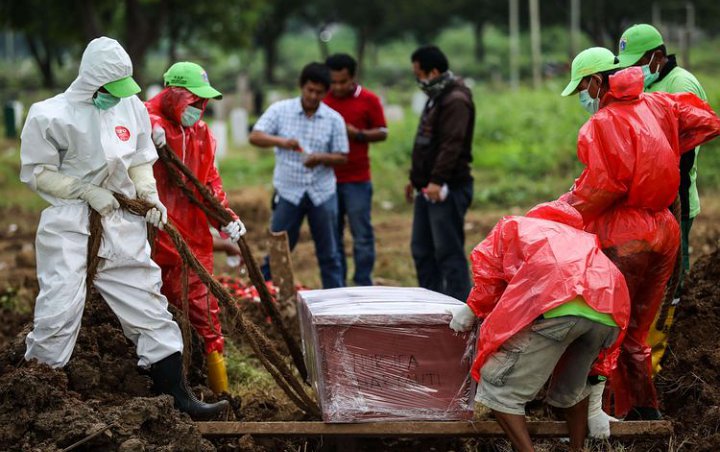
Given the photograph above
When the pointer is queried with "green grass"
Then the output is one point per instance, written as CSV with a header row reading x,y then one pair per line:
x,y
12,191
244,370
524,142
524,148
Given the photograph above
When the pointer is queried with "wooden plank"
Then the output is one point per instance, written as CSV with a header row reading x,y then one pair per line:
x,y
488,429
281,267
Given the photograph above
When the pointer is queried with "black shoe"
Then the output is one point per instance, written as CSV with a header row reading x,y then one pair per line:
x,y
169,379
643,413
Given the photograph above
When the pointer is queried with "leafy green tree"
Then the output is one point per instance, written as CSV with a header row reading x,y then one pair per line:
x,y
273,17
47,28
52,27
228,25
480,13
378,21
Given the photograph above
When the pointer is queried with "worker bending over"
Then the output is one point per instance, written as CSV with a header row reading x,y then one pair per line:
x,y
551,304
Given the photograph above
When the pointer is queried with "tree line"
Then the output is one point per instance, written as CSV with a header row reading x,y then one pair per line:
x,y
51,29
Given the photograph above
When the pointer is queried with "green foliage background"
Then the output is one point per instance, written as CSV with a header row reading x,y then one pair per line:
x,y
524,143
525,140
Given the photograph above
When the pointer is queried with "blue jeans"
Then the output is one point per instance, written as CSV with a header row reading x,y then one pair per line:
x,y
323,225
355,202
438,242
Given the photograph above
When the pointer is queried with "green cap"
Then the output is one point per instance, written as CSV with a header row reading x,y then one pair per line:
x,y
637,40
125,87
192,77
589,61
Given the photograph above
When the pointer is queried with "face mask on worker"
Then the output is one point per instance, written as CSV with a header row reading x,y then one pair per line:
x,y
190,116
649,76
105,101
592,105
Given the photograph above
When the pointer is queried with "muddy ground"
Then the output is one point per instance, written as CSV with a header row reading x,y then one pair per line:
x,y
102,390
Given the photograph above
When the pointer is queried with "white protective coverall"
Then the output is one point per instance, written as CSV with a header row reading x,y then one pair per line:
x,y
67,133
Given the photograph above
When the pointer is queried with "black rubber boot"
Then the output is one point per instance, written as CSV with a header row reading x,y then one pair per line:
x,y
169,379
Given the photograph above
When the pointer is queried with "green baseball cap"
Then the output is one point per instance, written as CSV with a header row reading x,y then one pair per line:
x,y
637,40
125,87
589,61
192,77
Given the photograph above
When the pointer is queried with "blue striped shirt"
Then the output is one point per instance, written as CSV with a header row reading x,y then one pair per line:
x,y
324,131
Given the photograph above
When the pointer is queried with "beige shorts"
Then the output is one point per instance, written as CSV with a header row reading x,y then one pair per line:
x,y
564,348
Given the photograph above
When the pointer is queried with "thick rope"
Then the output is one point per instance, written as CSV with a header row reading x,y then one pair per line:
x,y
185,324
213,209
94,241
261,345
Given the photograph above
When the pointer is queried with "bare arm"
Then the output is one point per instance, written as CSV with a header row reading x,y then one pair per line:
x,y
367,135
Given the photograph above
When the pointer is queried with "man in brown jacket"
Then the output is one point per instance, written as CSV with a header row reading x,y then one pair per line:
x,y
440,180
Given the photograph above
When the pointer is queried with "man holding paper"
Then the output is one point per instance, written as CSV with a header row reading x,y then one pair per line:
x,y
309,138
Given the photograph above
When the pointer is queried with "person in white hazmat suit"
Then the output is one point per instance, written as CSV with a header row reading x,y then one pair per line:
x,y
77,149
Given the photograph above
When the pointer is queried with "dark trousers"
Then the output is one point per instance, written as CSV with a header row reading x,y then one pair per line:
x,y
438,242
355,203
323,227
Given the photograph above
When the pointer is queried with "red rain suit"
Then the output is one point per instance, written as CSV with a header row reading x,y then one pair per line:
x,y
631,151
529,265
195,146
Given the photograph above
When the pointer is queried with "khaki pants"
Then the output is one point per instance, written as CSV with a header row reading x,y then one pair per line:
x,y
563,347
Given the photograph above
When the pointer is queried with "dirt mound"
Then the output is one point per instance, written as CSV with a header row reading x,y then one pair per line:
x,y
101,388
12,322
688,382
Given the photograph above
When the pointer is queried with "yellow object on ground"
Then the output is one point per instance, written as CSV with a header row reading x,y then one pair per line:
x,y
217,374
658,339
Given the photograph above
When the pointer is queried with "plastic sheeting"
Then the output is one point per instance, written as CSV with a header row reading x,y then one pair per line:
x,y
631,151
381,353
530,264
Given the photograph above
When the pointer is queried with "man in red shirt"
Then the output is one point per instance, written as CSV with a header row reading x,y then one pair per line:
x,y
365,122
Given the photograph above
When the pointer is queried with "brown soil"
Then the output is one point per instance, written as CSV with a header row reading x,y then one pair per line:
x,y
47,409
50,409
689,380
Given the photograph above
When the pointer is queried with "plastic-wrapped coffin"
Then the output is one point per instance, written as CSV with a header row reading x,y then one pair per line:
x,y
377,353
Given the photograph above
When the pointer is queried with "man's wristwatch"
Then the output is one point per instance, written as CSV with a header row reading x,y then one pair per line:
x,y
360,136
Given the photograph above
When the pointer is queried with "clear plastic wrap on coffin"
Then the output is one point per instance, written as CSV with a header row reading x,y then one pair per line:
x,y
386,353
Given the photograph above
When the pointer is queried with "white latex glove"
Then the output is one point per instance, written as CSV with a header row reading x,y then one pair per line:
x,y
463,318
158,136
598,420
100,199
157,216
144,181
235,230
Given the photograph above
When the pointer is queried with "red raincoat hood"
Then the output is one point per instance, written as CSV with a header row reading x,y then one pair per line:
x,y
627,84
529,265
172,101
558,211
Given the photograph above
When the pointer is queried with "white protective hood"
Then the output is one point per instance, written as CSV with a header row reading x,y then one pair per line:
x,y
103,61
69,134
